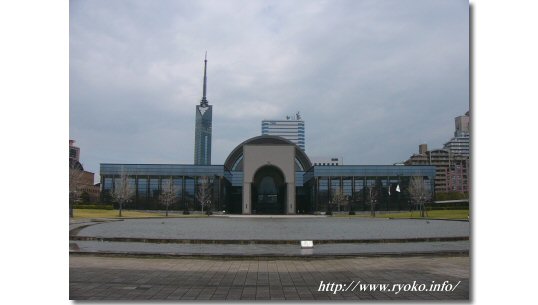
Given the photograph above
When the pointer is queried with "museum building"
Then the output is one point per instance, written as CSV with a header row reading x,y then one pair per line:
x,y
268,175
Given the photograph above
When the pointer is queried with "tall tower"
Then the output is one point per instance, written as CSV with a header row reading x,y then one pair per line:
x,y
202,131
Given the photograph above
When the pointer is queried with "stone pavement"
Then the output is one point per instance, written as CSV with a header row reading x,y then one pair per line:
x,y
281,250
114,278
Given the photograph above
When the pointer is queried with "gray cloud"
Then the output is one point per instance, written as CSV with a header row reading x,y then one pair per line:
x,y
372,79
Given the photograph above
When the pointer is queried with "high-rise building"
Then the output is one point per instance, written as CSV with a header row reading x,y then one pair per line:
x,y
292,129
462,125
451,171
459,144
204,118
74,152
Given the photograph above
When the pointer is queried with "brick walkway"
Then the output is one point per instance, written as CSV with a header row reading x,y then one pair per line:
x,y
114,278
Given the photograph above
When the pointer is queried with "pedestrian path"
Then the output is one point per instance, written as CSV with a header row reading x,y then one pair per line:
x,y
110,278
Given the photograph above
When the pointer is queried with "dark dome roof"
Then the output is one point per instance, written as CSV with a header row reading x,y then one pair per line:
x,y
237,154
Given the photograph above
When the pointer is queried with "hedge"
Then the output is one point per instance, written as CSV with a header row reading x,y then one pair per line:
x,y
93,206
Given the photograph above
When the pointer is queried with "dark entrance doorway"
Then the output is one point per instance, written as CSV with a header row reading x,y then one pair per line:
x,y
268,191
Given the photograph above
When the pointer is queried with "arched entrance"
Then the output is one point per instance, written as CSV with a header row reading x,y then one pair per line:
x,y
268,191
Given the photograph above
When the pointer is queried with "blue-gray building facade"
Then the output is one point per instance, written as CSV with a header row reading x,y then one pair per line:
x,y
315,186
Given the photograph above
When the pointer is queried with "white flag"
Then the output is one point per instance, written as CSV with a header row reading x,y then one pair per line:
x,y
398,188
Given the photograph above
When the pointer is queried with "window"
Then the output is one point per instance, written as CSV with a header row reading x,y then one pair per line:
x,y
154,187
142,187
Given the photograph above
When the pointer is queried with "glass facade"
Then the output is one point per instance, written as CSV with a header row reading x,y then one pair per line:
x,y
338,188
356,186
150,179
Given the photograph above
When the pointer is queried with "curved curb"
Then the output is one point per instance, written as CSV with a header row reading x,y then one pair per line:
x,y
267,256
429,219
77,227
265,241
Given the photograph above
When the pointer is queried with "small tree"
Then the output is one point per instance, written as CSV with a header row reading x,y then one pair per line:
x,y
372,197
168,195
419,193
75,180
338,198
204,194
123,192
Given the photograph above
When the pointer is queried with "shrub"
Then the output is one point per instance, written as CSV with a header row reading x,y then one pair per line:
x,y
93,206
451,196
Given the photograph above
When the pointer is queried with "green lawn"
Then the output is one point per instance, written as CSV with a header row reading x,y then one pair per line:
x,y
436,214
87,213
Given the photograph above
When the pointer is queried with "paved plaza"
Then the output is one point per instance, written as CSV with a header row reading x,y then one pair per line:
x,y
114,278
259,258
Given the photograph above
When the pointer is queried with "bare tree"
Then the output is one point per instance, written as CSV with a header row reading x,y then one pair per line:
x,y
419,193
204,193
338,198
75,180
123,191
372,196
168,194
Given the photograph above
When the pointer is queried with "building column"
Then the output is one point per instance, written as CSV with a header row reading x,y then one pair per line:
x,y
290,202
247,205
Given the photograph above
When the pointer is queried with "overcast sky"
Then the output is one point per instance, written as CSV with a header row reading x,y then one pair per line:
x,y
372,79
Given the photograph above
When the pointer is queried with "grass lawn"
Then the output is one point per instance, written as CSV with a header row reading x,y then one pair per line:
x,y
90,213
437,214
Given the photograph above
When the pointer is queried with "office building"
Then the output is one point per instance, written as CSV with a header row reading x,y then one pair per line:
x,y
291,129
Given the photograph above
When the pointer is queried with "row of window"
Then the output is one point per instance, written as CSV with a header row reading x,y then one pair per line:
x,y
150,186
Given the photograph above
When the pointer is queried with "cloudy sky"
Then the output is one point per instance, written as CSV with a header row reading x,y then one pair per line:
x,y
372,79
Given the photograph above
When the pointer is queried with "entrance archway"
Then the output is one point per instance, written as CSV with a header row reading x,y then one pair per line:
x,y
268,191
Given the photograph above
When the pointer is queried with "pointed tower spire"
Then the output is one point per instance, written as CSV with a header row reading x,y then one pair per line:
x,y
203,102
